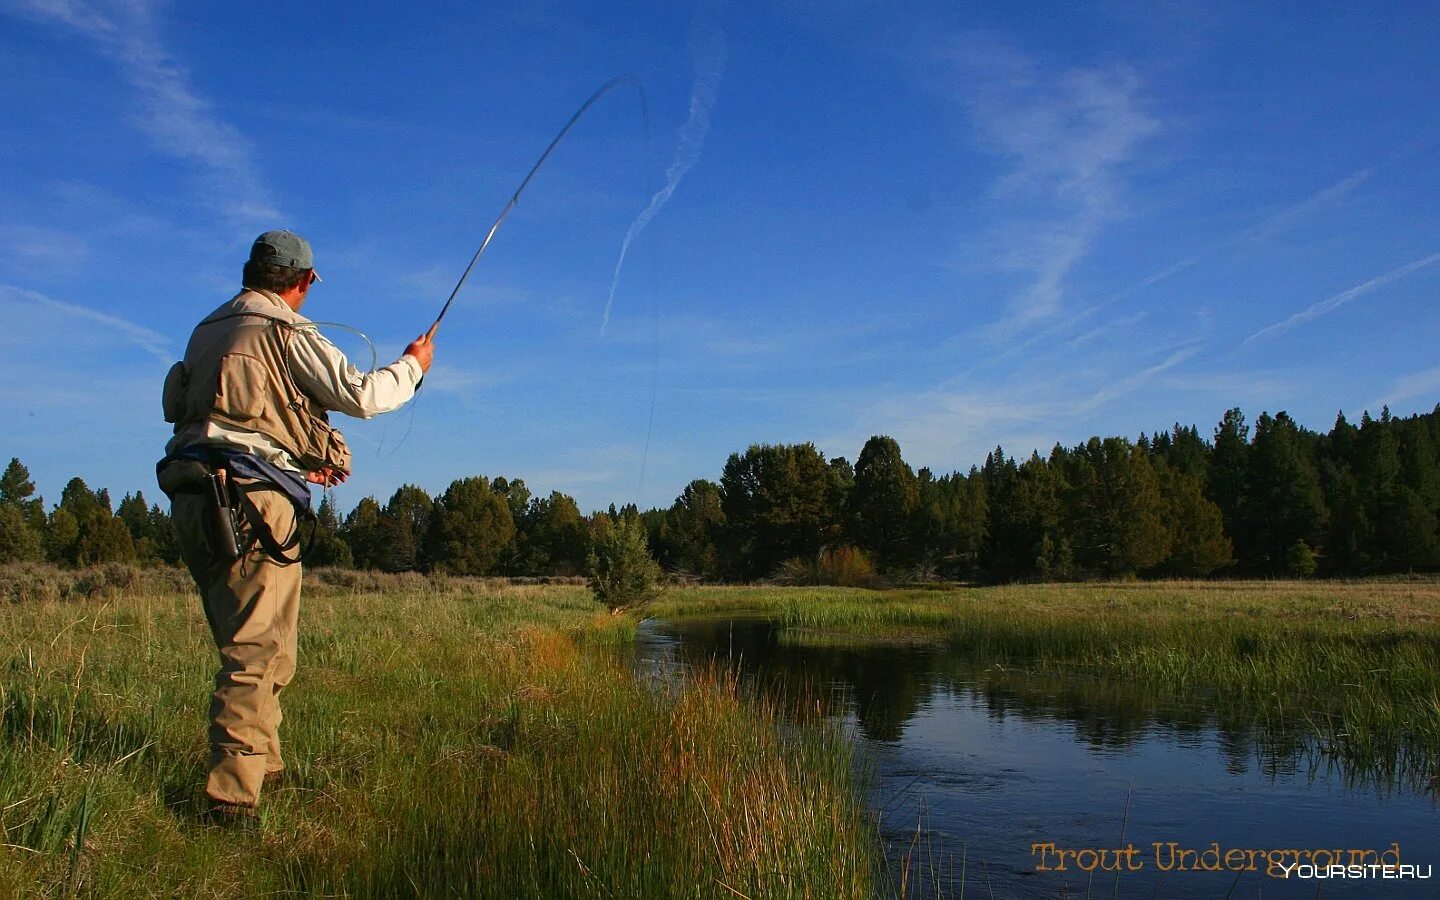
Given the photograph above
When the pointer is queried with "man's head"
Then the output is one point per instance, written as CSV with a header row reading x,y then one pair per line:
x,y
280,262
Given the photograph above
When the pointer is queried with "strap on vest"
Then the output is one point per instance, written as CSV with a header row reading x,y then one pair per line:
x,y
265,535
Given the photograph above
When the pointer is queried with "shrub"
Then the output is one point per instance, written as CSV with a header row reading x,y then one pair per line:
x,y
843,566
1300,561
622,571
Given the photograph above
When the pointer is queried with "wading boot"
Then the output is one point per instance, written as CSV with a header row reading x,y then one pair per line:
x,y
229,815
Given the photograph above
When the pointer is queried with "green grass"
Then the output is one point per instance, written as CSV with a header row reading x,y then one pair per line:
x,y
1355,666
445,738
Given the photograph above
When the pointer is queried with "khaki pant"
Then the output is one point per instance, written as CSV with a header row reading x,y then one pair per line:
x,y
253,606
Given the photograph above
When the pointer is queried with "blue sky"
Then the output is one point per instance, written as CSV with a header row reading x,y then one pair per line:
x,y
959,224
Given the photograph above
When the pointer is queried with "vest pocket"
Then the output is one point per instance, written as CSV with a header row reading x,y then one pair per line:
x,y
172,398
243,389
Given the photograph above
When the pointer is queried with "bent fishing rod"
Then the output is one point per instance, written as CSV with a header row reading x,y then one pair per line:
x,y
515,198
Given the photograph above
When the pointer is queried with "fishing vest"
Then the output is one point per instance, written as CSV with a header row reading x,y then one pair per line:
x,y
236,373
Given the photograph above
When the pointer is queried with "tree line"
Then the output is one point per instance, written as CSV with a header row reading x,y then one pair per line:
x,y
1277,499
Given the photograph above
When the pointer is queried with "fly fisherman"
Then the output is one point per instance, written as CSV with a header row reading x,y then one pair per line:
x,y
249,404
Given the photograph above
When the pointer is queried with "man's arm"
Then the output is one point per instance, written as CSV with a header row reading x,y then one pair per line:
x,y
328,378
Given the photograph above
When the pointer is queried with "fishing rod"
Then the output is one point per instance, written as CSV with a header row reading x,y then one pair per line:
x,y
515,198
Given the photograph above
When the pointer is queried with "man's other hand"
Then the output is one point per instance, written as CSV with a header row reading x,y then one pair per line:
x,y
327,476
423,349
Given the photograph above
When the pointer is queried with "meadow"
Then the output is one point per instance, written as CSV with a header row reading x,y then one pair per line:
x,y
447,737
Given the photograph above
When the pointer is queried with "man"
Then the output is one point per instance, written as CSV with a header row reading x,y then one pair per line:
x,y
249,404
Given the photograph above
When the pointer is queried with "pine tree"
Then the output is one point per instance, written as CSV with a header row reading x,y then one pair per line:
x,y
1284,497
884,500
1198,545
622,571
470,528
18,541
1120,528
362,534
327,548
22,516
695,525
1228,479
776,505
401,530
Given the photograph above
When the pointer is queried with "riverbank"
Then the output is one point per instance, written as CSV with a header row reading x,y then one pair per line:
x,y
457,737
1355,664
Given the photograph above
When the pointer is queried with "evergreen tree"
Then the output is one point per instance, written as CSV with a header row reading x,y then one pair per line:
x,y
1228,478
776,505
61,537
17,490
162,532
401,530
884,501
695,525
22,516
363,534
470,528
1349,538
622,571
951,522
552,537
1198,545
327,548
18,541
134,512
1119,509
1284,501
1009,543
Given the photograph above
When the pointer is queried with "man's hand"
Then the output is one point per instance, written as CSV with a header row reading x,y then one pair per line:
x,y
327,476
423,349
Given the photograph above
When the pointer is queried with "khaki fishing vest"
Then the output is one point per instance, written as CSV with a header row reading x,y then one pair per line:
x,y
236,373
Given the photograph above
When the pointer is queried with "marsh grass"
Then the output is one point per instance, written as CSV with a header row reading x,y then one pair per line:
x,y
1354,667
445,737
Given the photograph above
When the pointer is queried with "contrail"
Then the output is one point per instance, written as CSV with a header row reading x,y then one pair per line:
x,y
1324,306
708,46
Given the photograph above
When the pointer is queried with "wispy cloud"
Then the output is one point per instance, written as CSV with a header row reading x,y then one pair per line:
x,y
57,251
1425,383
177,119
1067,137
1275,223
1122,386
1115,325
1330,304
945,428
17,301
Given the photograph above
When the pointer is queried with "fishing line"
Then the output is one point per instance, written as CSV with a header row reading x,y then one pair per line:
x,y
374,355
513,202
515,198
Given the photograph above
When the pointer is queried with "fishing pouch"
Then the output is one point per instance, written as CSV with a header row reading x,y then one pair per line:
x,y
194,476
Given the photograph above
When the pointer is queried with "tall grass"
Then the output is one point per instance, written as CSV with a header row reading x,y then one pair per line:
x,y
1356,665
445,738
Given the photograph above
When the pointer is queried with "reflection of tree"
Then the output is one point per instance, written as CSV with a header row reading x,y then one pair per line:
x,y
885,685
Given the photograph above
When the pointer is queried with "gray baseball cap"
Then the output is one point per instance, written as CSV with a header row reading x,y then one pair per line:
x,y
283,248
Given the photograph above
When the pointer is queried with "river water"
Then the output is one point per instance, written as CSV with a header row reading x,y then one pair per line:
x,y
971,766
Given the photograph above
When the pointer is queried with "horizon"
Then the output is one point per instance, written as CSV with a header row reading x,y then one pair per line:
x,y
961,228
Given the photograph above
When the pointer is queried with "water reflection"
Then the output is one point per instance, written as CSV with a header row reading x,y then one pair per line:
x,y
986,760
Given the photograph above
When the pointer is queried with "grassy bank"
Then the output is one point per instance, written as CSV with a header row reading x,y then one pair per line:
x,y
1354,665
445,737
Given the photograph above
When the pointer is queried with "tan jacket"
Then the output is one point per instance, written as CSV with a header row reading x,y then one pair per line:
x,y
259,377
